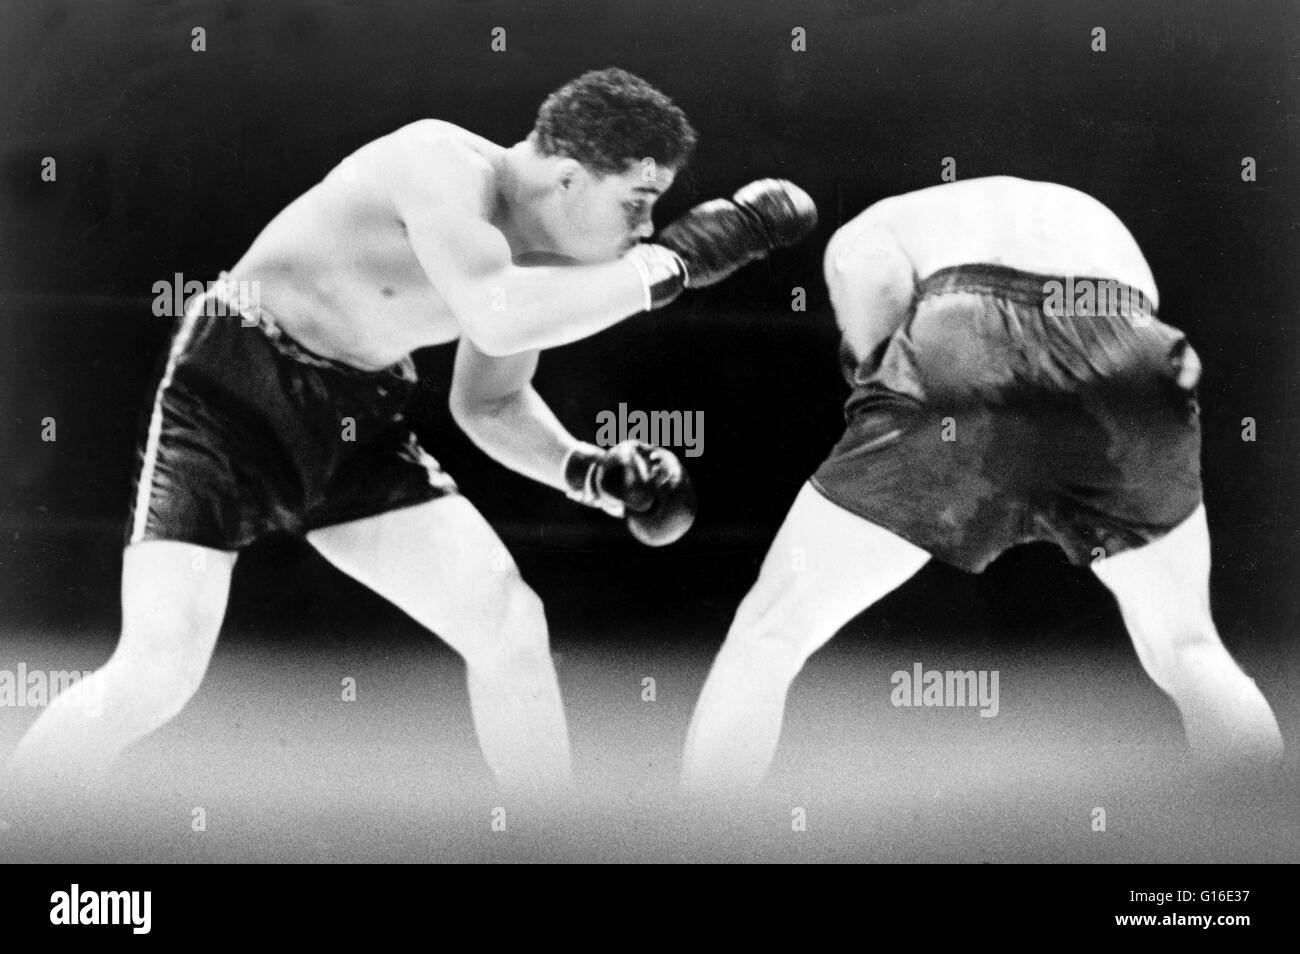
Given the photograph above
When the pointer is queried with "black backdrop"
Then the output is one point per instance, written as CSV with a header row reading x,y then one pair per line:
x,y
169,160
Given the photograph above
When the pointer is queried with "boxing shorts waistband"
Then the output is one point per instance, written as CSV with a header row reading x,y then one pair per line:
x,y
1108,295
228,293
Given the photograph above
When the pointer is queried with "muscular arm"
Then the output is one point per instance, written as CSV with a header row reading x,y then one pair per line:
x,y
871,280
444,192
493,401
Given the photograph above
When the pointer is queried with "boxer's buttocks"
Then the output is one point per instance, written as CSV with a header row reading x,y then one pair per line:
x,y
990,419
338,270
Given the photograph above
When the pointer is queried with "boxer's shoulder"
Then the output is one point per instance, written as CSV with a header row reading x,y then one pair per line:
x,y
436,137
430,158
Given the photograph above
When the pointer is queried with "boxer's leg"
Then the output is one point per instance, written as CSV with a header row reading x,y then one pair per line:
x,y
1163,593
825,566
173,600
443,565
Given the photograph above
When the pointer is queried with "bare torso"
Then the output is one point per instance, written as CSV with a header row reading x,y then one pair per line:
x,y
336,269
1037,227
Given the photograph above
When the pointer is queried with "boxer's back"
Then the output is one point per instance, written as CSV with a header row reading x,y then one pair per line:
x,y
1039,227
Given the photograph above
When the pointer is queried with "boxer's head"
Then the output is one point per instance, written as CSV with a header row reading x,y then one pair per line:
x,y
609,144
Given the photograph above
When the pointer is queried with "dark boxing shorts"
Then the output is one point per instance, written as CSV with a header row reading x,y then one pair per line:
x,y
249,434
989,420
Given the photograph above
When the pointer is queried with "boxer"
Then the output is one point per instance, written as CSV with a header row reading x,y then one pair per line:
x,y
290,417
1010,382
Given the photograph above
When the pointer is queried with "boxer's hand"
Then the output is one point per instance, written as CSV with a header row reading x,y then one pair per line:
x,y
721,236
647,486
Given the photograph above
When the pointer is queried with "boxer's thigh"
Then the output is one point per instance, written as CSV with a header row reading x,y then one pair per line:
x,y
1163,587
442,564
174,597
825,566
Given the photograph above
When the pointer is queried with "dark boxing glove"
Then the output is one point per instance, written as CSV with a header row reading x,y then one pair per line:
x,y
719,237
644,485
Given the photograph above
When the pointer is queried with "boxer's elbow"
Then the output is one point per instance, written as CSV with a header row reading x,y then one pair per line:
x,y
871,282
468,417
499,334
870,256
475,414
463,408
488,336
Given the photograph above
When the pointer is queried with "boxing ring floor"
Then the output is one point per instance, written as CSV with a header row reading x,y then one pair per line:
x,y
285,770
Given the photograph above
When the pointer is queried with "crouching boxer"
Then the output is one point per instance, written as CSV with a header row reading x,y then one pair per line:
x,y
1010,382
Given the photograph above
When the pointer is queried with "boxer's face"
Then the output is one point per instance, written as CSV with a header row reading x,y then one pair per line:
x,y
598,218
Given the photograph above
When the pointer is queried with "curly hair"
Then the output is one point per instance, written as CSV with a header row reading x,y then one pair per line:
x,y
608,118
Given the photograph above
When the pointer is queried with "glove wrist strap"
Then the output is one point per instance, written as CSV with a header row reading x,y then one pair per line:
x,y
662,271
580,474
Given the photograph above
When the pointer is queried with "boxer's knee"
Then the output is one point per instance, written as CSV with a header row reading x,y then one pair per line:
x,y
154,686
756,660
771,636
163,655
146,692
173,604
1173,654
510,633
1170,634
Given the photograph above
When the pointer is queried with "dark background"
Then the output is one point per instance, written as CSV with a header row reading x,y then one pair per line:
x,y
171,161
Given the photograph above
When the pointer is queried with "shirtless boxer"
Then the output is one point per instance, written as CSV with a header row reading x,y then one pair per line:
x,y
991,407
289,417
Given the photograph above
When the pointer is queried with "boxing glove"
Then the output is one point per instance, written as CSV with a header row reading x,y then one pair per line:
x,y
717,238
644,485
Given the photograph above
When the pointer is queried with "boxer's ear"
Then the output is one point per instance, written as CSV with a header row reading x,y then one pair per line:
x,y
568,173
